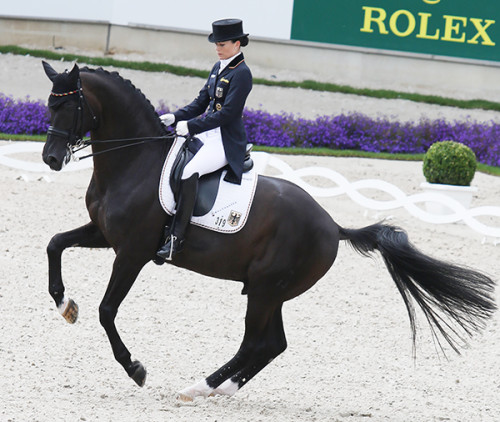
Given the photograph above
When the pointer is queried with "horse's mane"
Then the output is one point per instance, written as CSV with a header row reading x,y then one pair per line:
x,y
140,99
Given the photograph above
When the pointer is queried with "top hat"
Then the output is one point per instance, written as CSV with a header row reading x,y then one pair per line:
x,y
226,29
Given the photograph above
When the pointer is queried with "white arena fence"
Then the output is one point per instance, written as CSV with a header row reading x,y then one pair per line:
x,y
457,212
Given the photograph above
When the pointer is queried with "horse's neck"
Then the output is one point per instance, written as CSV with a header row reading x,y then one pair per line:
x,y
129,162
120,116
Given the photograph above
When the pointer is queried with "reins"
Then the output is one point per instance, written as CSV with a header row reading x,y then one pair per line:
x,y
82,144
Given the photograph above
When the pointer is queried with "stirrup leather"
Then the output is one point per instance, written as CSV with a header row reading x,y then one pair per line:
x,y
172,242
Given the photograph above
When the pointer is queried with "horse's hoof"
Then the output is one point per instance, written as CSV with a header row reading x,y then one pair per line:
x,y
69,310
200,389
139,374
184,397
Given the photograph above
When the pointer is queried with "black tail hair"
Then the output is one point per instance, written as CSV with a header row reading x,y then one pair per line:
x,y
456,300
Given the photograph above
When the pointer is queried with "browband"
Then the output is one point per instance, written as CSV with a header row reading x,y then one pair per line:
x,y
64,94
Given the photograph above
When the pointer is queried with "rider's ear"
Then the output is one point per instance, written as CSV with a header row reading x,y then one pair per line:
x,y
49,70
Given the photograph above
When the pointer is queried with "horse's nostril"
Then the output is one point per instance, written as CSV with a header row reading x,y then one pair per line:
x,y
52,162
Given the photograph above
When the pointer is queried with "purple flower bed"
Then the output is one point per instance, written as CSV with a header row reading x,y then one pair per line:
x,y
23,116
360,132
346,131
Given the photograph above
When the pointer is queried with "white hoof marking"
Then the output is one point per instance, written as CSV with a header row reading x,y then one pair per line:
x,y
63,306
200,389
227,388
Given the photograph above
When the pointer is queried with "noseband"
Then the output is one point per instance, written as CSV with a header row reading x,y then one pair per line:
x,y
74,136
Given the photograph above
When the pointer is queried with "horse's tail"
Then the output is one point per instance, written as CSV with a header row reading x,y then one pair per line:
x,y
455,300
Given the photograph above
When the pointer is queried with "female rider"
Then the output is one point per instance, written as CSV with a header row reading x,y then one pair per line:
x,y
215,117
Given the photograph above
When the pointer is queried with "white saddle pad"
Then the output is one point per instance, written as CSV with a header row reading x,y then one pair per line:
x,y
232,205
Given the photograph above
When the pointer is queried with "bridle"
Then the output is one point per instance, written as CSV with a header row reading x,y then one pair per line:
x,y
74,136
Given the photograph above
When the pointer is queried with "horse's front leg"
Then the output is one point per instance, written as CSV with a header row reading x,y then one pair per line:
x,y
88,236
125,271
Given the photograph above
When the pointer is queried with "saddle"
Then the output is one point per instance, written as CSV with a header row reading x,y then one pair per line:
x,y
208,185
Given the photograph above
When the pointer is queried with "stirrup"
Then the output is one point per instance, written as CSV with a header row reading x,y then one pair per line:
x,y
173,241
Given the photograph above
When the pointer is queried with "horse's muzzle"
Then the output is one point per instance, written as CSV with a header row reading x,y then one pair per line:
x,y
55,159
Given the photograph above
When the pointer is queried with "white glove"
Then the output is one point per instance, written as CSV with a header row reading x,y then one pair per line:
x,y
167,119
182,128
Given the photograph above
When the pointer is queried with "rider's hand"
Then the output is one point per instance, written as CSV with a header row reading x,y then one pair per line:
x,y
167,119
182,128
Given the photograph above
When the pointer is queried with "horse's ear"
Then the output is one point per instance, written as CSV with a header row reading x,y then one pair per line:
x,y
49,70
75,72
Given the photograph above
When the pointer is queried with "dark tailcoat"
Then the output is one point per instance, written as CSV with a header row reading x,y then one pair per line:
x,y
224,95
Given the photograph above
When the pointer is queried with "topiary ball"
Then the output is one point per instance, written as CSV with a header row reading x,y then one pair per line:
x,y
449,163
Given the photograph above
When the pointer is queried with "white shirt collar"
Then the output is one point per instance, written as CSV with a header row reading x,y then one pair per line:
x,y
225,62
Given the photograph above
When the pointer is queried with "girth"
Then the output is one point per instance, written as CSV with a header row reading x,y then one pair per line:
x,y
208,186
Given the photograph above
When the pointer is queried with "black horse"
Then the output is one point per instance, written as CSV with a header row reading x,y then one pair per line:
x,y
288,243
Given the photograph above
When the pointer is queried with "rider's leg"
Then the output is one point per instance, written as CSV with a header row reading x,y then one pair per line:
x,y
209,158
182,217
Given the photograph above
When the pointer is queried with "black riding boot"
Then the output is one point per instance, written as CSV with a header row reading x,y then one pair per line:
x,y
182,217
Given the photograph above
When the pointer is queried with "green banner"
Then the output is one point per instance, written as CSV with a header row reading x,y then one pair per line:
x,y
458,28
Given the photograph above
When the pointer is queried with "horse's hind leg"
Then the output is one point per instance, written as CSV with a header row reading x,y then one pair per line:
x,y
88,236
260,346
264,339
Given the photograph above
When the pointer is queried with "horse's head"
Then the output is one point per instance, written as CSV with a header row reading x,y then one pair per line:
x,y
101,102
66,106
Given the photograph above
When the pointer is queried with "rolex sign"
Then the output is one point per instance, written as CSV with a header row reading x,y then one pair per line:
x,y
456,28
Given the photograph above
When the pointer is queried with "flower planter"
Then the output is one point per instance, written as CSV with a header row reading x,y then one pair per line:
x,y
461,194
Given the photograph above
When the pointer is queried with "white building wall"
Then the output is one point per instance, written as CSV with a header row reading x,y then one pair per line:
x,y
175,30
262,18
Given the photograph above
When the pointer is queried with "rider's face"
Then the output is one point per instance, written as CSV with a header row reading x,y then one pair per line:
x,y
227,49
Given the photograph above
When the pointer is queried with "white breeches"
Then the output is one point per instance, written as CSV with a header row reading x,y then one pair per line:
x,y
210,157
